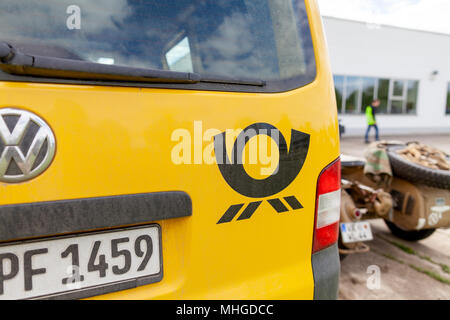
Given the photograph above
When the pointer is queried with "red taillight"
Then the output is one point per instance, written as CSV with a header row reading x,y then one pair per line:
x,y
328,203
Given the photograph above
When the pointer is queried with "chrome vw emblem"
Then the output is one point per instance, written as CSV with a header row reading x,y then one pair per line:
x,y
27,145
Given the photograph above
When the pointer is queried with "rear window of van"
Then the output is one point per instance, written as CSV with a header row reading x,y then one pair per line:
x,y
267,40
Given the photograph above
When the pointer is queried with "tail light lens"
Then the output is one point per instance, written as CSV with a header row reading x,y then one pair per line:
x,y
328,203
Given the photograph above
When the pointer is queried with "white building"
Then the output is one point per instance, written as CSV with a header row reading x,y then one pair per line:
x,y
408,70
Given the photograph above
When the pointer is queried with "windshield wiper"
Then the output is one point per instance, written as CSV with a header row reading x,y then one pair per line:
x,y
17,63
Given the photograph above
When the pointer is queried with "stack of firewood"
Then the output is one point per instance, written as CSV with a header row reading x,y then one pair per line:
x,y
426,156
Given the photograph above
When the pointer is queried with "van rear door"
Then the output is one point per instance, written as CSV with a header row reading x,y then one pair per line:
x,y
165,150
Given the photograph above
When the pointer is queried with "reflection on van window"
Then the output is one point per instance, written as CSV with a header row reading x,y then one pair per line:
x,y
104,60
179,57
259,39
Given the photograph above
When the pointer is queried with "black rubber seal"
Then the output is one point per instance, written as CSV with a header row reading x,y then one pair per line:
x,y
43,219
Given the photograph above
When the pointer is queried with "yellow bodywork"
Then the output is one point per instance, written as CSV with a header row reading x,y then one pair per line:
x,y
117,141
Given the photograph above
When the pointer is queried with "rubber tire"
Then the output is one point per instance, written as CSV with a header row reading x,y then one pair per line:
x,y
415,173
412,236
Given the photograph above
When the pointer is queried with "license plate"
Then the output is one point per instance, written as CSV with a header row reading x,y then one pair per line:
x,y
356,232
81,266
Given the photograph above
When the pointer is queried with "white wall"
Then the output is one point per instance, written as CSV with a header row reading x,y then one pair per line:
x,y
359,49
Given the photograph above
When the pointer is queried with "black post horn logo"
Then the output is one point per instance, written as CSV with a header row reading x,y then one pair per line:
x,y
290,164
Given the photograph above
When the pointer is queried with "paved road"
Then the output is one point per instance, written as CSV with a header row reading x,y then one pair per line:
x,y
407,270
356,146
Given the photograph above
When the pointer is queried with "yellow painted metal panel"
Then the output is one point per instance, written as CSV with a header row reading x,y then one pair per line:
x,y
114,141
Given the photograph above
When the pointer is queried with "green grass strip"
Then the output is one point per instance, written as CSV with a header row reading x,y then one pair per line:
x,y
431,274
401,246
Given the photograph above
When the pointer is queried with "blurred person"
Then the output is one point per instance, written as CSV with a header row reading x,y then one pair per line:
x,y
371,112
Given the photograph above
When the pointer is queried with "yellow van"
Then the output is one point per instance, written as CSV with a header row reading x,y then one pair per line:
x,y
167,150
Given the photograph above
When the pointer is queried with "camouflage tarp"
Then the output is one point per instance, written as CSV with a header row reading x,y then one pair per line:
x,y
377,160
377,167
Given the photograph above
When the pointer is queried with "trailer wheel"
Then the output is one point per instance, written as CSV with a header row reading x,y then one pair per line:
x,y
412,236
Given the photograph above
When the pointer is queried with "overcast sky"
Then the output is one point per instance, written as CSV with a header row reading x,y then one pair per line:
x,y
431,15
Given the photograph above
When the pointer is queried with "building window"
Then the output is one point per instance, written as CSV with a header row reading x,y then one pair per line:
x,y
354,94
411,99
339,87
448,99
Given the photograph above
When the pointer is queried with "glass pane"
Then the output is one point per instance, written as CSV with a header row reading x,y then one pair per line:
x,y
264,39
396,107
179,57
353,88
411,103
448,99
398,88
383,94
339,86
367,93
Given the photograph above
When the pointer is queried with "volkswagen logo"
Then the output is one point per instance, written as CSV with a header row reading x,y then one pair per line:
x,y
27,145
